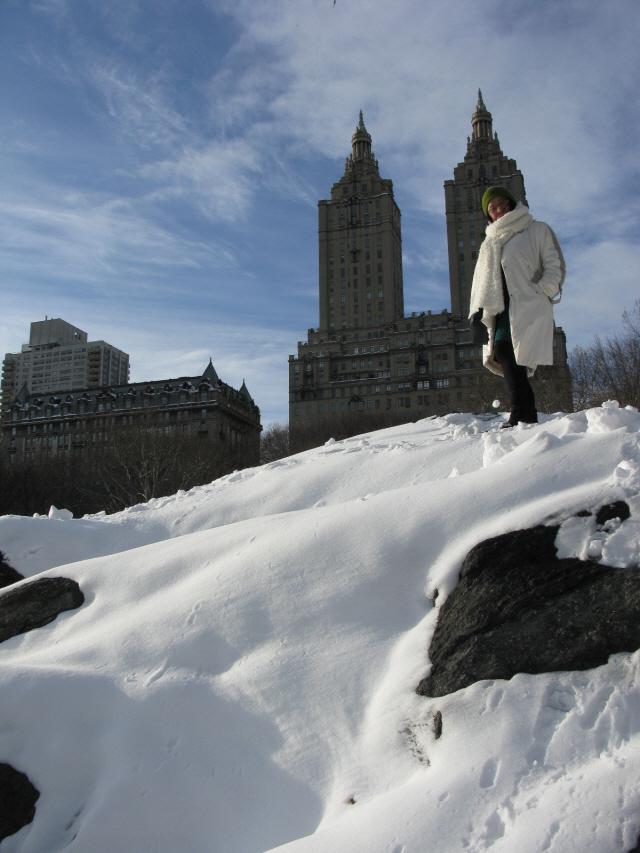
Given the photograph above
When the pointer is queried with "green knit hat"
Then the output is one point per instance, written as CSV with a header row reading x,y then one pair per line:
x,y
495,192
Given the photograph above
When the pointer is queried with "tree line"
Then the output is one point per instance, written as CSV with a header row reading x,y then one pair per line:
x,y
133,466
609,369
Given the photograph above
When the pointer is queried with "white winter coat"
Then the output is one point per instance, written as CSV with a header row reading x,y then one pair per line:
x,y
534,270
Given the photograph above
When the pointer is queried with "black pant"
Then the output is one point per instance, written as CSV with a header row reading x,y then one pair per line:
x,y
515,375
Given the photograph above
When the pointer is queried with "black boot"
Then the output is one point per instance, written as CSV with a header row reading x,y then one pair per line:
x,y
519,412
532,414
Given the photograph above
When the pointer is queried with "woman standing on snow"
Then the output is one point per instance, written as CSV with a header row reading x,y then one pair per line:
x,y
517,280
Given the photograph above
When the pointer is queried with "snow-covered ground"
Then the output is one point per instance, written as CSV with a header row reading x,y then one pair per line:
x,y
241,677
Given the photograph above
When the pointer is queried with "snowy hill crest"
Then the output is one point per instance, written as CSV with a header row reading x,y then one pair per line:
x,y
242,675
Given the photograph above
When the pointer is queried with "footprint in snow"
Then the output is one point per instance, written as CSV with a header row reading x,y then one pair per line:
x,y
489,772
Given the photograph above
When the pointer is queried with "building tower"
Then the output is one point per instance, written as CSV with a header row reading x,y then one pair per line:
x,y
59,358
484,165
360,246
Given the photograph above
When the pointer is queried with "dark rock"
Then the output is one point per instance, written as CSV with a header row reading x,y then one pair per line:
x,y
608,512
8,574
36,603
518,608
17,800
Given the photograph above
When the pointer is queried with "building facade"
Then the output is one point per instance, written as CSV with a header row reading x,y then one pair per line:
x,y
366,357
59,358
68,423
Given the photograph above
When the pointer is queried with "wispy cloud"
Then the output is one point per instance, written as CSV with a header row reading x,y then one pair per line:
x,y
219,177
86,236
139,108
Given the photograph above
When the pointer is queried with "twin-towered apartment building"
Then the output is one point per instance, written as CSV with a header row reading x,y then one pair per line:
x,y
366,356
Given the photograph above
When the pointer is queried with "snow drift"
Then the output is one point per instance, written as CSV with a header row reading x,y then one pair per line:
x,y
241,677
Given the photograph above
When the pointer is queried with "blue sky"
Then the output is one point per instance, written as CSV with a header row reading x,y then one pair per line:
x,y
161,161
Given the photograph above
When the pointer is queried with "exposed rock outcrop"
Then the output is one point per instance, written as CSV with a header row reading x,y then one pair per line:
x,y
518,608
17,800
8,574
36,603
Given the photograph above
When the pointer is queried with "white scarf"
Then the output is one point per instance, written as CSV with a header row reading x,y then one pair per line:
x,y
486,291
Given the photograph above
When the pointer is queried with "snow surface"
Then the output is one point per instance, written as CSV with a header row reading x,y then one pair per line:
x,y
241,677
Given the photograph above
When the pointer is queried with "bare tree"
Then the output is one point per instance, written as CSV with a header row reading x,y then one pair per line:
x,y
30,487
586,391
487,387
274,442
139,463
609,368
128,466
552,389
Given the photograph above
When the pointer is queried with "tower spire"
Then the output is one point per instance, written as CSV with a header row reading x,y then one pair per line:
x,y
481,120
361,142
